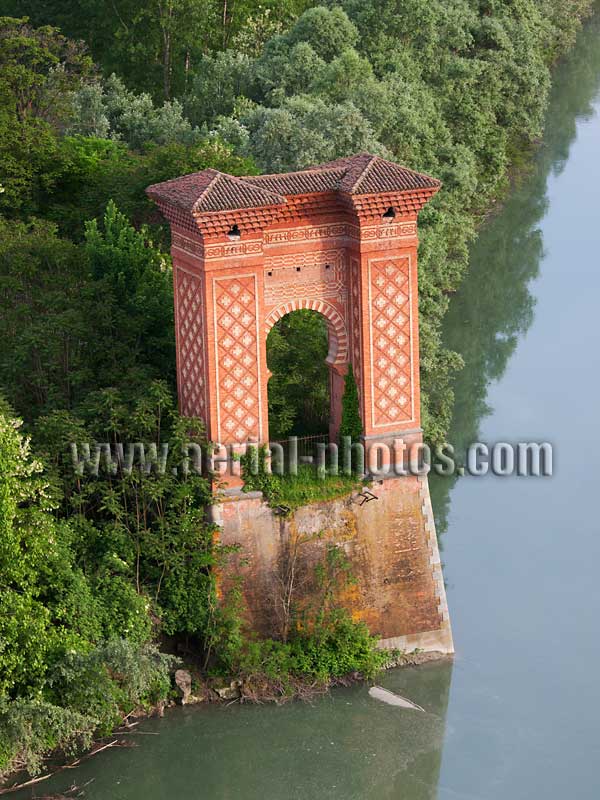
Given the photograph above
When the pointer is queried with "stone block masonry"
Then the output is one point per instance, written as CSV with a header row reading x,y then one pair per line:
x,y
391,545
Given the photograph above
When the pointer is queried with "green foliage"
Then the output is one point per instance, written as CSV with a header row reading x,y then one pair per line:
x,y
327,32
305,130
221,78
256,473
322,656
310,485
31,728
38,68
51,292
297,347
138,278
88,694
351,424
110,110
156,46
45,316
143,528
28,546
91,171
89,564
110,681
341,648
48,602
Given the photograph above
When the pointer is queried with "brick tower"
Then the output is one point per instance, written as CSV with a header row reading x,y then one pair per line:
x,y
339,238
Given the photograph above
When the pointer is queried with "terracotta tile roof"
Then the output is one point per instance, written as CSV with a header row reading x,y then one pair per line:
x,y
307,181
211,190
368,174
363,173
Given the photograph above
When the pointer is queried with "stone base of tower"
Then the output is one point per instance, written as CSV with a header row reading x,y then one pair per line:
x,y
390,542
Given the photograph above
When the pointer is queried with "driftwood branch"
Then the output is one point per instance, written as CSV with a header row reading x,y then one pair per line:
x,y
17,786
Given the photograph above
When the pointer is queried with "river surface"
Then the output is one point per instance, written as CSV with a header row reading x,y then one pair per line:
x,y
518,713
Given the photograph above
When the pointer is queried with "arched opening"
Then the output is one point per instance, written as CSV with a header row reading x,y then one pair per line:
x,y
298,347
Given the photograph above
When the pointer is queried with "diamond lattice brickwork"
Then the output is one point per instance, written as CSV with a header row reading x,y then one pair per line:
x,y
356,317
391,338
192,362
238,358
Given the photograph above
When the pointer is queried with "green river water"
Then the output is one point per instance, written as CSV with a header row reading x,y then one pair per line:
x,y
518,714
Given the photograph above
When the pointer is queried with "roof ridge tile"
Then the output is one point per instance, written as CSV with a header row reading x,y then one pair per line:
x,y
207,189
365,170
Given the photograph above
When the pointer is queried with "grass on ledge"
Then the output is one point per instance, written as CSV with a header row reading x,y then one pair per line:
x,y
308,486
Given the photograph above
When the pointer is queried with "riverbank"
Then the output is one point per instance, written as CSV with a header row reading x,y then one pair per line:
x,y
193,689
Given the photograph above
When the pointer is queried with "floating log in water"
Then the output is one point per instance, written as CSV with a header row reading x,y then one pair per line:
x,y
392,699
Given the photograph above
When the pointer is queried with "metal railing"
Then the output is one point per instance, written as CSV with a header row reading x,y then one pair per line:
x,y
304,447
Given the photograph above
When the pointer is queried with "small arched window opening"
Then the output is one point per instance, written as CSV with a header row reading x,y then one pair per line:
x,y
389,214
234,234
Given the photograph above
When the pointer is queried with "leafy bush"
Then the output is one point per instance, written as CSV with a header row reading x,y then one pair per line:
x,y
31,728
110,681
345,649
87,694
341,648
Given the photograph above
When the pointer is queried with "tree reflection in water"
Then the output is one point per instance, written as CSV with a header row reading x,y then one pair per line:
x,y
494,307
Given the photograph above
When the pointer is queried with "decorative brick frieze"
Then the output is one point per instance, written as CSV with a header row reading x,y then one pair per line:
x,y
306,274
310,233
389,231
191,246
233,250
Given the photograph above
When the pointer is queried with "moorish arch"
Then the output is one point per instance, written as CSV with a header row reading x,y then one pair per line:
x,y
336,326
339,238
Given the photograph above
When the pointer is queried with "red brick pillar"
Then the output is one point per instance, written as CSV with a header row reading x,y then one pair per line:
x,y
221,344
189,284
236,353
385,328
